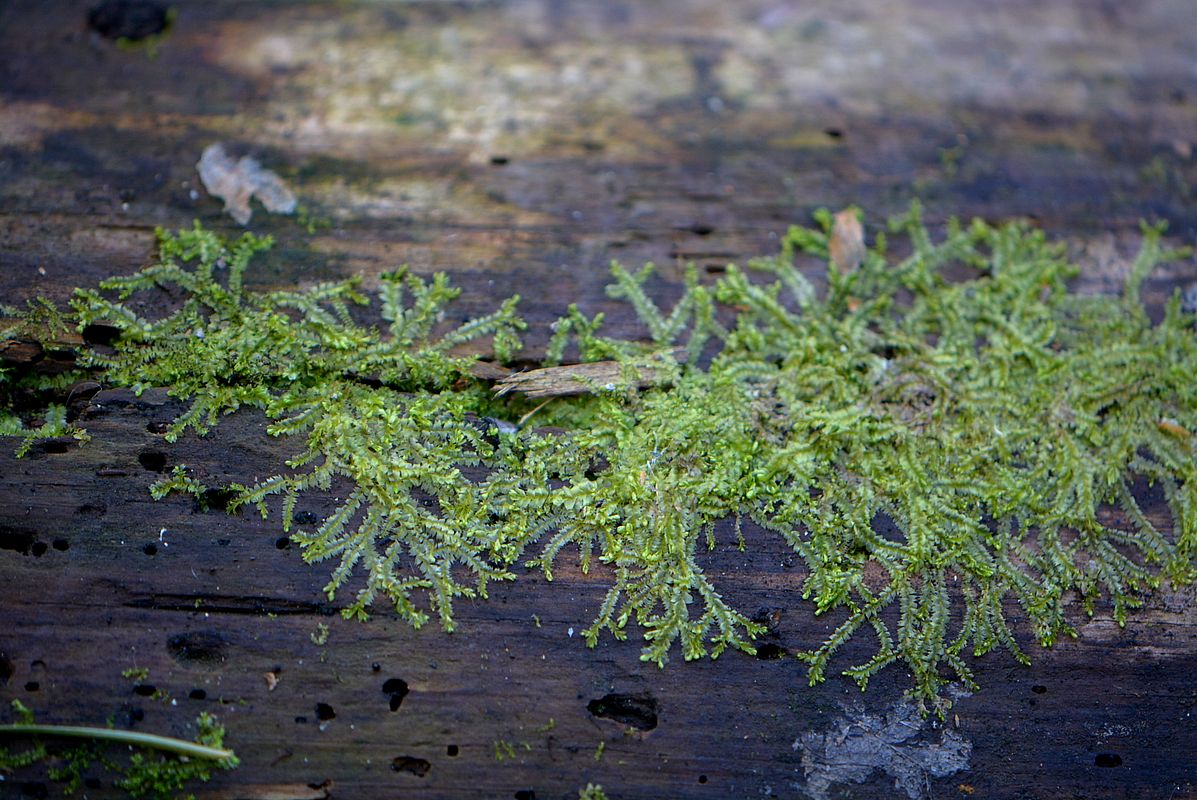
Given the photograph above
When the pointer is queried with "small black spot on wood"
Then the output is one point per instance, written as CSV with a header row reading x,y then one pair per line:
x,y
525,794
150,549
34,789
203,647
98,332
409,764
1039,688
19,540
397,689
133,20
452,751
325,712
32,686
1107,760
145,690
39,549
634,710
152,460
216,499
61,545
769,651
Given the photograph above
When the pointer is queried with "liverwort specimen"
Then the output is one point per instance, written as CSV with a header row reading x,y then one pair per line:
x,y
994,419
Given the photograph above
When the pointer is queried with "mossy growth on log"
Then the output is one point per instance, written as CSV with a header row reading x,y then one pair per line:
x,y
150,767
996,420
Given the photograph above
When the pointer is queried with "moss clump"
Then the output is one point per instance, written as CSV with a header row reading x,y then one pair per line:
x,y
991,419
157,767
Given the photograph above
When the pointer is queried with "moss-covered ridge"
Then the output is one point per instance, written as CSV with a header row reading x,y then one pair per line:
x,y
992,419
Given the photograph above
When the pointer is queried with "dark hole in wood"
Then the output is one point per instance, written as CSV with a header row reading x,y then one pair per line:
x,y
150,549
135,715
416,766
133,20
324,712
61,545
39,549
770,617
1107,760
834,133
145,689
152,460
217,499
158,427
701,229
6,669
635,710
282,542
500,161
1039,688
99,333
205,647
702,778
525,794
452,751
198,694
397,689
16,539
305,518
35,789
376,667
56,446
32,686
769,651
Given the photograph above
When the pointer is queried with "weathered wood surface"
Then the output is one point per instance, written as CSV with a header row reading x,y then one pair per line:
x,y
521,146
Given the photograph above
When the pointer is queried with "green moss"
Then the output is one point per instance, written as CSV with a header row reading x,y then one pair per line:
x,y
157,768
992,420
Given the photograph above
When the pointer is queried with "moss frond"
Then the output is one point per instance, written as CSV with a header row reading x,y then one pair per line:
x,y
993,420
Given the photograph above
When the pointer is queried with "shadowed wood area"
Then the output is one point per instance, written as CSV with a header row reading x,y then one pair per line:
x,y
521,146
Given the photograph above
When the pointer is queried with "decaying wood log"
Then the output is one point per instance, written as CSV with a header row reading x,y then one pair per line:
x,y
521,146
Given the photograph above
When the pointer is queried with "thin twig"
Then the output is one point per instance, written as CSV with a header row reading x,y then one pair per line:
x,y
178,746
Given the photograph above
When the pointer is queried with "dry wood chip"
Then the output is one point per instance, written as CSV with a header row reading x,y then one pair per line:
x,y
847,242
236,182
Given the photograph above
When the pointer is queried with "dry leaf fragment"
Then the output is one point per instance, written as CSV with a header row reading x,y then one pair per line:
x,y
1173,428
236,182
575,379
271,680
564,381
847,245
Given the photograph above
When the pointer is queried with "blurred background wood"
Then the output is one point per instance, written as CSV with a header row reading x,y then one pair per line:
x,y
521,146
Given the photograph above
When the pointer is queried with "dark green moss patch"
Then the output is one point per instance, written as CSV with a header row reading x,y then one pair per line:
x,y
987,421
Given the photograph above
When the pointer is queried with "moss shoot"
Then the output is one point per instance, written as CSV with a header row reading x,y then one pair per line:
x,y
995,420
